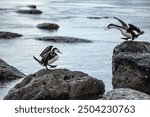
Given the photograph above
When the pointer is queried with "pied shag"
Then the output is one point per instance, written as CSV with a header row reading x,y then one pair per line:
x,y
130,31
49,55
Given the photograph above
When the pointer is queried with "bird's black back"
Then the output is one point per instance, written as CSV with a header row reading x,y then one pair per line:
x,y
133,27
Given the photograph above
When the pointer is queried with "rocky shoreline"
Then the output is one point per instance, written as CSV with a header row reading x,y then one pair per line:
x,y
130,79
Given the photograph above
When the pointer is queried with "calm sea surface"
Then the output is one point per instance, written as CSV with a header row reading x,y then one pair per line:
x,y
93,58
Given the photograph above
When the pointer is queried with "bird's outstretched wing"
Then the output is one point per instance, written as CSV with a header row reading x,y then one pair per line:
x,y
46,50
133,27
122,22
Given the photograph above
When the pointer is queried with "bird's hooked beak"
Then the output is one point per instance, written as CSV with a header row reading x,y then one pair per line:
x,y
142,32
56,50
59,52
106,28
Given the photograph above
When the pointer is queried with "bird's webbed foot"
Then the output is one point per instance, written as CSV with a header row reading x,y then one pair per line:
x,y
131,39
52,66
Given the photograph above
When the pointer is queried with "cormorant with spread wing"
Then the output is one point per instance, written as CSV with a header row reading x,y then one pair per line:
x,y
49,55
130,31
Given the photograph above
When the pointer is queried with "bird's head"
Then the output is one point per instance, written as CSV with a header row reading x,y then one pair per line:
x,y
142,32
56,50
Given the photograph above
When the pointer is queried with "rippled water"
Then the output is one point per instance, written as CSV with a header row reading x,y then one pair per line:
x,y
92,58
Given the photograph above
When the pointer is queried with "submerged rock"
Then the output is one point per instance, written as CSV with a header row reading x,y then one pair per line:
x,y
29,11
56,84
8,35
125,94
131,66
98,17
64,39
50,26
8,73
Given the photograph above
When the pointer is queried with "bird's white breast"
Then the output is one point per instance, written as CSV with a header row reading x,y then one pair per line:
x,y
53,60
126,34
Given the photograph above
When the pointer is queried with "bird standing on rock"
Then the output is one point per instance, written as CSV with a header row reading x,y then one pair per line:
x,y
49,55
130,31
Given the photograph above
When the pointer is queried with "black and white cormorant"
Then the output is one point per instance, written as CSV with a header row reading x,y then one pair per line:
x,y
130,31
49,55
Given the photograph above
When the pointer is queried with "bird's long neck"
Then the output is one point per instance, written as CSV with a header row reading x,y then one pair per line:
x,y
117,27
53,51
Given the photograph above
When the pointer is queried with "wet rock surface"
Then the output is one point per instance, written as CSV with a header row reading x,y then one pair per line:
x,y
131,66
125,94
9,35
56,84
8,73
64,39
48,26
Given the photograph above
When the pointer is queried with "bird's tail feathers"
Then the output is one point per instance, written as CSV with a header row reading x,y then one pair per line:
x,y
37,60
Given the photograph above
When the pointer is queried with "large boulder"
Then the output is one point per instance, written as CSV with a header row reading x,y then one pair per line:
x,y
56,84
8,35
8,73
131,66
64,39
125,94
48,26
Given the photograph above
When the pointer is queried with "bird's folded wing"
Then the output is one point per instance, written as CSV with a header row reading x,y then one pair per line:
x,y
48,56
47,49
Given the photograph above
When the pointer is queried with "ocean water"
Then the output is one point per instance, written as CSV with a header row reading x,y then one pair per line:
x,y
93,58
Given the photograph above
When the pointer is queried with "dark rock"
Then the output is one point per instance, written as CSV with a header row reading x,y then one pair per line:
x,y
97,17
8,73
32,6
94,17
131,66
50,26
56,84
125,94
63,39
29,11
8,35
